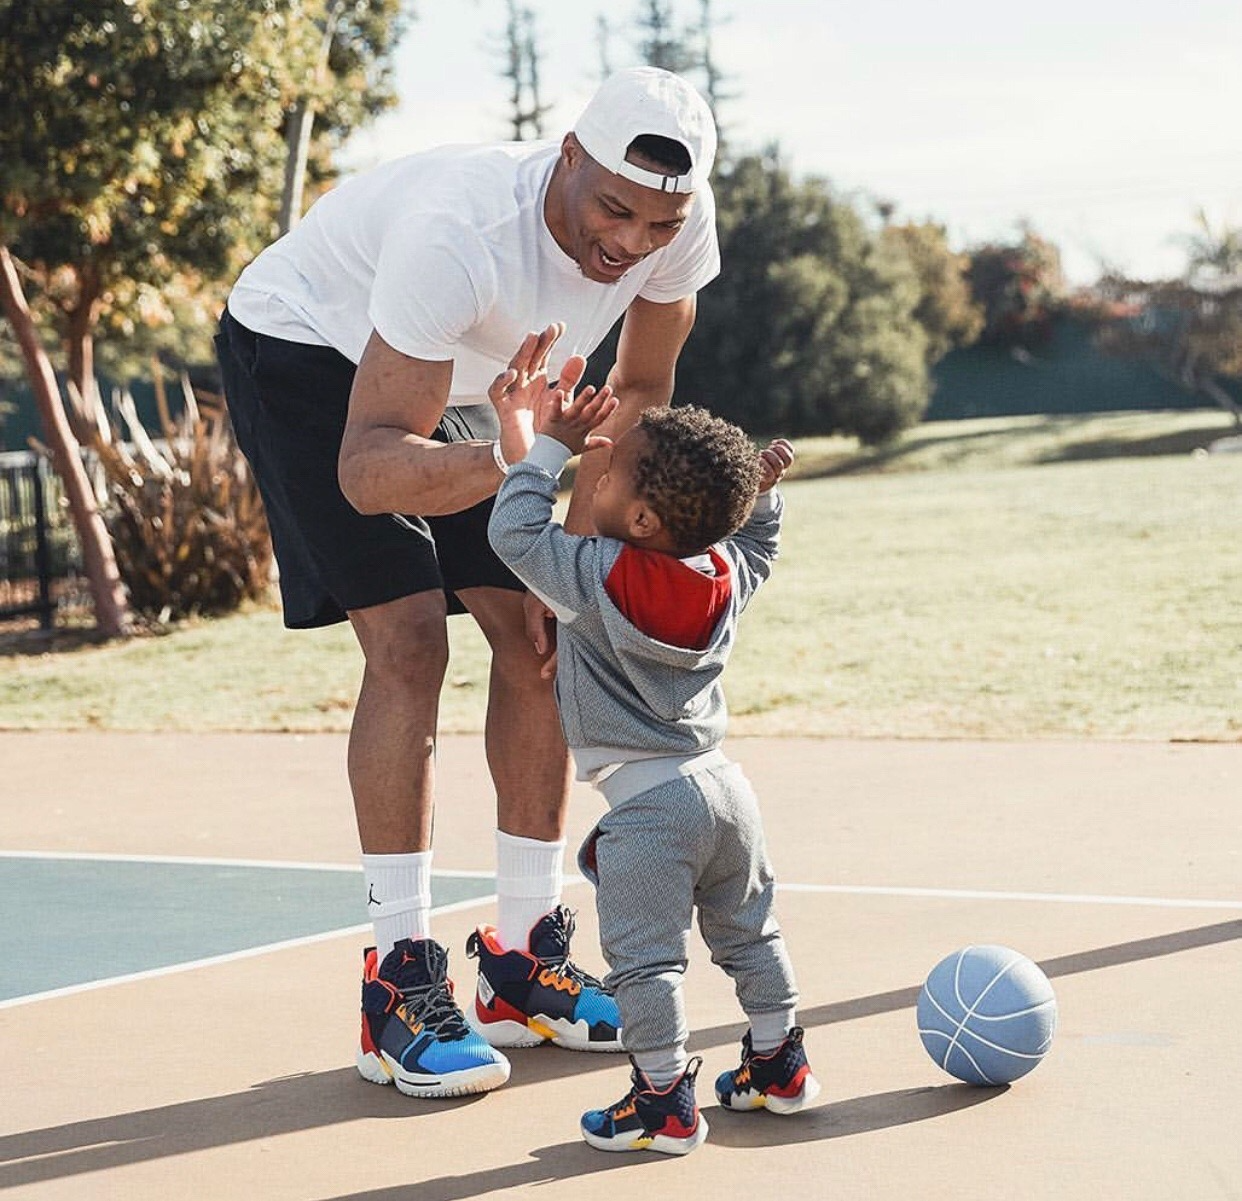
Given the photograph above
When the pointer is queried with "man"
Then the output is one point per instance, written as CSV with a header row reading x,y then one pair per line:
x,y
356,354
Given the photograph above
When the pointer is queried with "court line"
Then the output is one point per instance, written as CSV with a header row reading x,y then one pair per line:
x,y
975,894
970,894
196,861
229,957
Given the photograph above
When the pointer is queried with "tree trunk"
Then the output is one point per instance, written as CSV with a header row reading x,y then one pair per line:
x,y
301,124
81,354
111,608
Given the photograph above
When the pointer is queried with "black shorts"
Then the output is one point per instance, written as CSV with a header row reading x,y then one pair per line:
x,y
288,403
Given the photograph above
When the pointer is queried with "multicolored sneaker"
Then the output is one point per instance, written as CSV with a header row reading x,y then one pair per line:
x,y
413,1034
780,1080
650,1119
526,998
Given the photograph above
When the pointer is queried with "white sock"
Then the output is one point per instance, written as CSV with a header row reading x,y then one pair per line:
x,y
528,885
769,1030
398,897
661,1067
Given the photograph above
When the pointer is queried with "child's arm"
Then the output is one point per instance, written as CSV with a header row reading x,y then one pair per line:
x,y
755,546
558,567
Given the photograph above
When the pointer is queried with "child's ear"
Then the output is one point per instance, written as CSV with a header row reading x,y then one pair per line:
x,y
644,522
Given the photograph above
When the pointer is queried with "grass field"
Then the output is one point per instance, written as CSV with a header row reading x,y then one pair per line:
x,y
1015,578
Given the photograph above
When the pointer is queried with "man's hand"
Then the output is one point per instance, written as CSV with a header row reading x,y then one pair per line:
x,y
572,421
775,460
541,630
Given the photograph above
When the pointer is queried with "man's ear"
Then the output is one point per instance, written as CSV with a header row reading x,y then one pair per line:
x,y
571,150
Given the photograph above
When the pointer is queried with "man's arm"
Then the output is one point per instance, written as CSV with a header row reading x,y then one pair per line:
x,y
652,336
388,462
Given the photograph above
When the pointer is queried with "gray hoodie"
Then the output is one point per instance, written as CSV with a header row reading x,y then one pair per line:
x,y
622,695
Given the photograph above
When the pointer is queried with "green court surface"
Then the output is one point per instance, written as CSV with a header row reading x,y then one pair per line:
x,y
76,920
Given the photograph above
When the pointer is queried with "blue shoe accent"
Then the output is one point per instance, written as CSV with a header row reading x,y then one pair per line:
x,y
413,1033
529,997
650,1119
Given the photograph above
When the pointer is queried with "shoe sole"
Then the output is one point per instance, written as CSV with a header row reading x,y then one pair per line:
x,y
771,1102
660,1142
572,1036
383,1069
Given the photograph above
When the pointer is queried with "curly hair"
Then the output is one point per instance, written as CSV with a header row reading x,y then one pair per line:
x,y
699,473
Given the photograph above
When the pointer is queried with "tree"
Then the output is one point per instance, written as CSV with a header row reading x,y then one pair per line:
x,y
338,72
522,60
660,42
1020,287
1190,328
810,329
128,131
947,310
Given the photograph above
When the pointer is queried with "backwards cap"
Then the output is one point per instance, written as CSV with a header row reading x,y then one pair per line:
x,y
647,100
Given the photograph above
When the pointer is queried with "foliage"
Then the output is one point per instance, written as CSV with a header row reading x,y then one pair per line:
x,y
810,327
142,149
184,513
522,69
1190,328
947,310
1020,287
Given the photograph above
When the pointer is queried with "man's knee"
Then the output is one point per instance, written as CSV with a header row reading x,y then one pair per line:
x,y
405,642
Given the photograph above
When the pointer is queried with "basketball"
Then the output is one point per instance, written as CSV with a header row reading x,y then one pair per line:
x,y
987,1015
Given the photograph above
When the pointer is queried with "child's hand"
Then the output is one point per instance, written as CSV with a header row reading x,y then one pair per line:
x,y
572,421
519,393
775,461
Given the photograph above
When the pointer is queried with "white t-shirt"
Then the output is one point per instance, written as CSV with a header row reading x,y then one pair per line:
x,y
446,255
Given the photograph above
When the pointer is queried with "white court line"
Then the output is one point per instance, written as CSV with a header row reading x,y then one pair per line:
x,y
195,861
969,894
973,894
213,960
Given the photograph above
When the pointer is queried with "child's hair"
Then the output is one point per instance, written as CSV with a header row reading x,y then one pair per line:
x,y
699,473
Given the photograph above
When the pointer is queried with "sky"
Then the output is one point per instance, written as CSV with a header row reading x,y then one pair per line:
x,y
1106,125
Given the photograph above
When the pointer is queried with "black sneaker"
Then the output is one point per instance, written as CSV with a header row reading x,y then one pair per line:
x,y
779,1080
650,1119
540,995
413,1034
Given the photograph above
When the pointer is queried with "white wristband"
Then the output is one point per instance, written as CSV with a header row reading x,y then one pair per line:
x,y
498,455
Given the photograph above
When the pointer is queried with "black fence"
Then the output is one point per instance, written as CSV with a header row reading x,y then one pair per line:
x,y
39,560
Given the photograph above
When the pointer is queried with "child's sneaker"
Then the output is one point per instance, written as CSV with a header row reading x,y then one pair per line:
x,y
413,1034
650,1119
780,1080
525,998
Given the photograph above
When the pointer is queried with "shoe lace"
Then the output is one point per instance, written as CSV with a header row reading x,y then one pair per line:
x,y
435,1006
558,966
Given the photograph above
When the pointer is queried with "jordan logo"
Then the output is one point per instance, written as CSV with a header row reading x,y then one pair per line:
x,y
372,899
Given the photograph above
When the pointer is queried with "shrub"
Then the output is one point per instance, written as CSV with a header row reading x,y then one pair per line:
x,y
184,513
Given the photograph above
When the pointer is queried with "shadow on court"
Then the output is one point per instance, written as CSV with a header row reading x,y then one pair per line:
x,y
320,1099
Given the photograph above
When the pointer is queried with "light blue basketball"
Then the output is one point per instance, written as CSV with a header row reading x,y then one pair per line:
x,y
987,1015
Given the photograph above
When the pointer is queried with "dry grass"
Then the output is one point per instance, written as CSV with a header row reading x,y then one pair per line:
x,y
967,596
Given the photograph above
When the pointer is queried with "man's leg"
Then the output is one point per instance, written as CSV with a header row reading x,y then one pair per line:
x,y
392,758
520,1003
525,747
392,740
413,1034
529,765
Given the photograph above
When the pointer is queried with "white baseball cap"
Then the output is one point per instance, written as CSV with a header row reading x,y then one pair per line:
x,y
647,100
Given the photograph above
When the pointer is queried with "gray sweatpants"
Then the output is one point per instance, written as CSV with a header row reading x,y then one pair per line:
x,y
696,840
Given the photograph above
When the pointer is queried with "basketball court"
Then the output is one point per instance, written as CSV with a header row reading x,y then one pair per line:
x,y
180,957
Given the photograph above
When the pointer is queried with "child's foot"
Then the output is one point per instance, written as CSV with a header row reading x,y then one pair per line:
x,y
650,1119
779,1080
